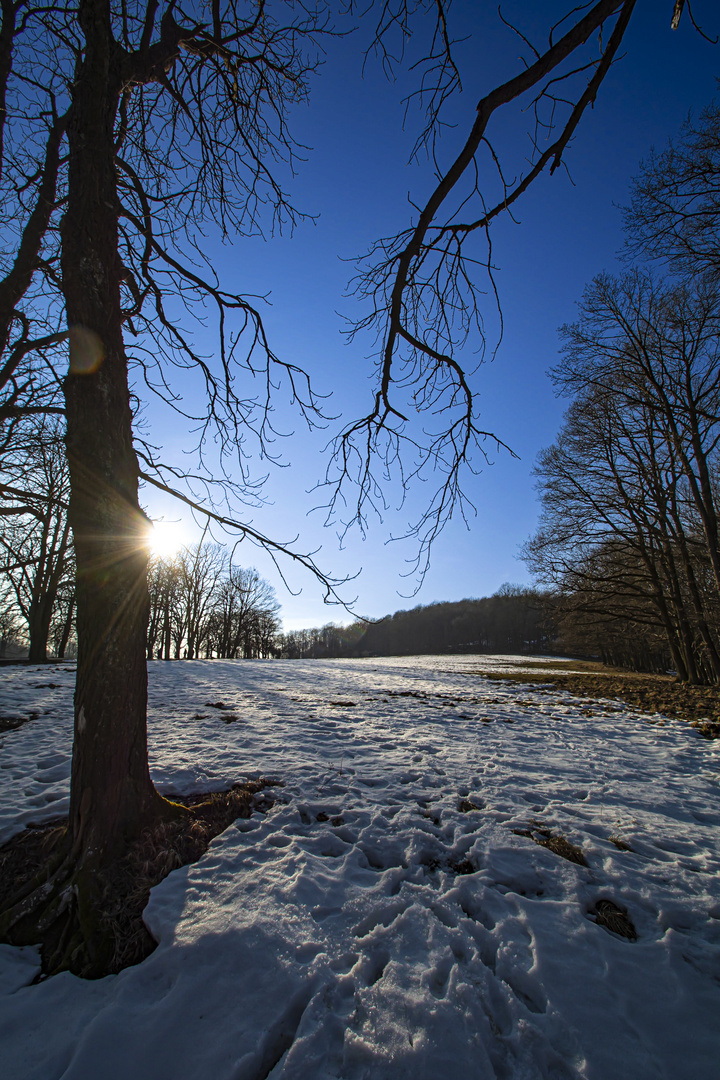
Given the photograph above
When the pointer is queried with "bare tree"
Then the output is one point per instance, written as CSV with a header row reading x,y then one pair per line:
x,y
245,616
162,584
33,120
159,108
674,213
666,341
605,610
629,479
10,626
200,602
201,568
35,547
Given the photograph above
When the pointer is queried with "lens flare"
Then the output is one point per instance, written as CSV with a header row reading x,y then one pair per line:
x,y
87,351
165,539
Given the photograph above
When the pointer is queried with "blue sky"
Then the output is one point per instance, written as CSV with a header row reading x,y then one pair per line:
x,y
357,180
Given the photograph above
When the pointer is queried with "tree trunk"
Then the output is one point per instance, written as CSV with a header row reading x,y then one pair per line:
x,y
111,795
39,619
111,791
67,627
166,632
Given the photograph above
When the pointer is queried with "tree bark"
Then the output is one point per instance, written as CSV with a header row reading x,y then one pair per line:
x,y
111,791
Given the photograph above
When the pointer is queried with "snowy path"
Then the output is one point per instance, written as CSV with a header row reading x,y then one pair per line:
x,y
383,921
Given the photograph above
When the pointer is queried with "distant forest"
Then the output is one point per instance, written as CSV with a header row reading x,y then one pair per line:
x,y
514,620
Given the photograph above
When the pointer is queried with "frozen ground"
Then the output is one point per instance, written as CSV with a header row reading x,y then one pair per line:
x,y
373,925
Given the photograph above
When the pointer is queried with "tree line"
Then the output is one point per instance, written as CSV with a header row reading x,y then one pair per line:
x,y
201,605
513,620
629,532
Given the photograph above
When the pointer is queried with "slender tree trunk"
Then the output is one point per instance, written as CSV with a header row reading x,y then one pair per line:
x,y
47,581
699,482
67,626
680,617
166,632
710,652
659,600
111,792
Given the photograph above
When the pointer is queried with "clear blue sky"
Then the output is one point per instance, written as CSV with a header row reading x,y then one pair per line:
x,y
357,180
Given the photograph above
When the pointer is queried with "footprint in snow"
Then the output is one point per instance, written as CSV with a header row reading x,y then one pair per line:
x,y
371,968
439,977
383,916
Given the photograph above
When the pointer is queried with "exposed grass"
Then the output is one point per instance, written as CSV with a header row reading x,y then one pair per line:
x,y
10,723
615,919
559,845
646,693
589,666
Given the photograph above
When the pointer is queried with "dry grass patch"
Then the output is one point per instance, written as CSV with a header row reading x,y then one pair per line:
x,y
645,693
616,919
581,666
559,845
620,844
11,723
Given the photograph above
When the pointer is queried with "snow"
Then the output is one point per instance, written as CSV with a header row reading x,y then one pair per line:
x,y
404,934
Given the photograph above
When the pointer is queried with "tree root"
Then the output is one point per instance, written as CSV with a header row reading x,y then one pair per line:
x,y
85,911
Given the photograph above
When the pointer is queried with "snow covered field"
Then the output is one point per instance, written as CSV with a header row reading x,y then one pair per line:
x,y
383,921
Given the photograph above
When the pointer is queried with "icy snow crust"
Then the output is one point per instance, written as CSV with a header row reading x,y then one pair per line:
x,y
400,936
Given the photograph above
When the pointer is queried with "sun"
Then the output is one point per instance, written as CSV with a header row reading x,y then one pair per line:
x,y
165,539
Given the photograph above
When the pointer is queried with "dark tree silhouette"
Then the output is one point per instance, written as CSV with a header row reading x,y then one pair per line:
x,y
35,548
629,497
674,213
161,107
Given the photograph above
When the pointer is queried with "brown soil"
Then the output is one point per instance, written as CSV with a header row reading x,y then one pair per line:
x,y
126,883
646,693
